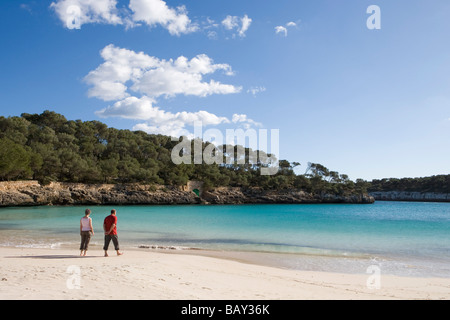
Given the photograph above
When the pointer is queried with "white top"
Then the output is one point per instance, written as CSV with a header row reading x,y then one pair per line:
x,y
85,224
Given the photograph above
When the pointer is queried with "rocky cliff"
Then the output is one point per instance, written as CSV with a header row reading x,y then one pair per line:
x,y
31,193
34,194
411,196
257,195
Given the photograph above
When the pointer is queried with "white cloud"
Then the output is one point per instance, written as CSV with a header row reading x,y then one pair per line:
x,y
291,24
246,22
284,29
120,66
212,35
281,29
184,76
230,22
126,74
131,108
241,25
159,121
154,12
255,90
245,121
75,13
154,77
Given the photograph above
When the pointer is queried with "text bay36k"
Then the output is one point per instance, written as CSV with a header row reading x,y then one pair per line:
x,y
248,309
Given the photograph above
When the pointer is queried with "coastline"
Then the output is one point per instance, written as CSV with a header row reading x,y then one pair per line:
x,y
412,196
32,193
47,274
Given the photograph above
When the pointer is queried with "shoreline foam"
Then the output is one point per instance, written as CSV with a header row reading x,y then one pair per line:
x,y
305,261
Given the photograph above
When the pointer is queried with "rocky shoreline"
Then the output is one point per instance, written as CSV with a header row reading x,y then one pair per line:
x,y
410,196
259,196
31,193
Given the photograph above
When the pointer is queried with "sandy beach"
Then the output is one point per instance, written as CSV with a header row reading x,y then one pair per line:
x,y
47,274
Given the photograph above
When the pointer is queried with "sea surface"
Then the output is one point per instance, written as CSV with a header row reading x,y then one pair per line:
x,y
401,238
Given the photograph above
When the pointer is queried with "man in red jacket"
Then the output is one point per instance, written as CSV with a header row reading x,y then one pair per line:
x,y
110,227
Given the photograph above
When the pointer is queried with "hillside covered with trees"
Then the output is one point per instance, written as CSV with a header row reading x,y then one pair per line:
x,y
438,183
47,147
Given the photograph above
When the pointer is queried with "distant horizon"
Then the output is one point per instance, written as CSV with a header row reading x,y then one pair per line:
x,y
359,87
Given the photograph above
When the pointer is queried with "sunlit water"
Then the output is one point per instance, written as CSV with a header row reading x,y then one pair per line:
x,y
400,237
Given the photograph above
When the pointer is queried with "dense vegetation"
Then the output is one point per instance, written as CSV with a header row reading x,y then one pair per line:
x,y
48,147
439,183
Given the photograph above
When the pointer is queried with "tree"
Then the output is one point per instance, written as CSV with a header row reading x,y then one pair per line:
x,y
361,186
334,177
14,161
109,168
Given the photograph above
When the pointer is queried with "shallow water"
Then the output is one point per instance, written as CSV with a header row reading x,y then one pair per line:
x,y
401,237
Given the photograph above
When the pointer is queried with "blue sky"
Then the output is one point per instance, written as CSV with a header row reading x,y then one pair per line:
x,y
368,103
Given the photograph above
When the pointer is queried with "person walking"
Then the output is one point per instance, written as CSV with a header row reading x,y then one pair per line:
x,y
86,230
110,228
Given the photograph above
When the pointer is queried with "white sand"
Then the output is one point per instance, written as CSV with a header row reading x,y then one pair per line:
x,y
43,274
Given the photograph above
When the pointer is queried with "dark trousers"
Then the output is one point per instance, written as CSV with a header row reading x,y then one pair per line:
x,y
85,238
115,240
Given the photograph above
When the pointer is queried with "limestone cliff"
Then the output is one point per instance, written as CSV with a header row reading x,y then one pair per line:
x,y
31,193
257,195
34,194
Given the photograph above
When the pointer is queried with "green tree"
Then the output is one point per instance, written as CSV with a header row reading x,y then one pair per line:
x,y
14,161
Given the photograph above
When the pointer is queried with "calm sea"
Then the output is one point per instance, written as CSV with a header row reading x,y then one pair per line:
x,y
401,238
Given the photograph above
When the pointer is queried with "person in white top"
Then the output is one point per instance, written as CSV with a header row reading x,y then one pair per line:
x,y
86,230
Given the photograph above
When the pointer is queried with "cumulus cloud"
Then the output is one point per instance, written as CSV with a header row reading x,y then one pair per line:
x,y
131,108
134,81
154,77
241,25
183,76
158,121
175,124
120,66
154,12
75,13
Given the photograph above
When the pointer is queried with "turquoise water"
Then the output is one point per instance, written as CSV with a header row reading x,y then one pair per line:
x,y
393,233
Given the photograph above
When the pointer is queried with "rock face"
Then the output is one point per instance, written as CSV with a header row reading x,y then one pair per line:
x,y
411,196
31,193
257,195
